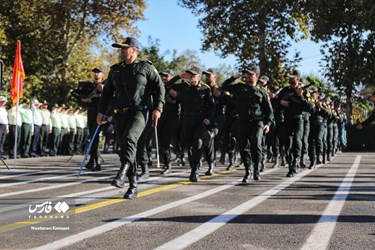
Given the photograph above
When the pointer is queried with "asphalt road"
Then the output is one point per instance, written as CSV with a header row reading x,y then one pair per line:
x,y
43,205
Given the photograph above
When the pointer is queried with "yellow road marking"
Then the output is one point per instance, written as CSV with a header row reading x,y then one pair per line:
x,y
20,224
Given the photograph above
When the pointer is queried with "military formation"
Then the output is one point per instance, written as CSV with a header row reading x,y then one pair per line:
x,y
37,130
243,121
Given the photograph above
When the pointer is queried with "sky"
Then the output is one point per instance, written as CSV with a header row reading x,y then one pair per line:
x,y
177,28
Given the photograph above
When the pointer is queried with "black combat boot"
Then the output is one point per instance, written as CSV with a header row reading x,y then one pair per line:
x,y
98,166
132,190
246,178
145,174
210,170
256,172
90,164
167,168
290,172
194,176
119,180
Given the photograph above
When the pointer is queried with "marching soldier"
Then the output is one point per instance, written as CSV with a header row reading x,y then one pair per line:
x,y
198,109
255,117
317,129
292,100
269,138
211,139
169,120
130,85
92,102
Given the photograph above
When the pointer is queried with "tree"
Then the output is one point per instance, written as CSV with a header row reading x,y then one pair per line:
x,y
347,27
255,31
53,32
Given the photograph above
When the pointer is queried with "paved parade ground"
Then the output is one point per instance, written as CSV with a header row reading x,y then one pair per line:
x,y
43,205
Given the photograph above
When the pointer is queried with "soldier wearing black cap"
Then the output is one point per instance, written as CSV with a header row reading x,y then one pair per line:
x,y
169,121
269,138
198,109
129,87
318,124
255,117
294,103
92,102
212,135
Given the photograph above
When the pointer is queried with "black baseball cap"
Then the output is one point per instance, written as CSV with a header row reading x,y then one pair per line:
x,y
98,69
129,42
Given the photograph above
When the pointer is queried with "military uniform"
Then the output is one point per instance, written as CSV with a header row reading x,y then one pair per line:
x,y
37,124
130,86
230,128
318,126
55,127
255,112
27,130
44,130
15,123
293,126
169,123
80,126
197,104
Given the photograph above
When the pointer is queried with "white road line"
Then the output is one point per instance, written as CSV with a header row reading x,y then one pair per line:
x,y
26,174
322,232
214,224
99,193
53,187
126,220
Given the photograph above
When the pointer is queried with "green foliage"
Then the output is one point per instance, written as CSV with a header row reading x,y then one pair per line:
x,y
347,27
57,37
254,31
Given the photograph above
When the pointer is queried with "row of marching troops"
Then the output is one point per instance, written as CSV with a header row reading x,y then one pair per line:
x,y
242,115
285,126
39,130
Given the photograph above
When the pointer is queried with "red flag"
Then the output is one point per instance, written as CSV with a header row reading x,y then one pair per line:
x,y
16,91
